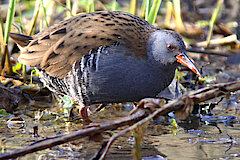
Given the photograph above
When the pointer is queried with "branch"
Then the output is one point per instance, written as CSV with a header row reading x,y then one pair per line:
x,y
179,105
209,52
88,132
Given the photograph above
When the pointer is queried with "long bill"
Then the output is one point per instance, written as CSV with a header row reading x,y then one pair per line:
x,y
183,59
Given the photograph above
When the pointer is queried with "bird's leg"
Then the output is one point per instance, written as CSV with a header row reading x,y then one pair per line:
x,y
71,115
84,113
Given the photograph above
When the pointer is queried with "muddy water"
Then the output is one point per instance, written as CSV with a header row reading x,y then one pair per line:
x,y
206,137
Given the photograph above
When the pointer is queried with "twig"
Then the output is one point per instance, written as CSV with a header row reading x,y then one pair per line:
x,y
209,52
197,96
220,41
57,140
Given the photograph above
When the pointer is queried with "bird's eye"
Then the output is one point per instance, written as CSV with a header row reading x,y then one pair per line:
x,y
170,47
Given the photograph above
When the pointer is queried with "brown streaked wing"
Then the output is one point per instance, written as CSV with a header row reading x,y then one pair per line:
x,y
57,48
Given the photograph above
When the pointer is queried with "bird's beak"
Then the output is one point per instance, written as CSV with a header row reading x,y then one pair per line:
x,y
183,59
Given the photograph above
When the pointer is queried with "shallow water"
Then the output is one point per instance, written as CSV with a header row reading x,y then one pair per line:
x,y
199,137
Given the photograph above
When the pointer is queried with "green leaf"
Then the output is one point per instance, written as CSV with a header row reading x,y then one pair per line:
x,y
207,79
174,123
17,67
3,112
68,103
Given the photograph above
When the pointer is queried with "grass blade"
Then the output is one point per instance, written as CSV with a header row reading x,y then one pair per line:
x,y
1,32
169,8
91,6
145,9
64,6
133,6
44,12
213,19
33,21
153,11
5,62
177,13
22,25
3,44
114,5
74,7
68,5
11,11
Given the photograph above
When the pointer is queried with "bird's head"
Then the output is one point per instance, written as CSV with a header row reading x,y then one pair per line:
x,y
167,47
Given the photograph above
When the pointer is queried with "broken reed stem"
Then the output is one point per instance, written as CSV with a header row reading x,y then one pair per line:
x,y
6,62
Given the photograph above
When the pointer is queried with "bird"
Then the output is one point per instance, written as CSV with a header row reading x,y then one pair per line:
x,y
104,57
